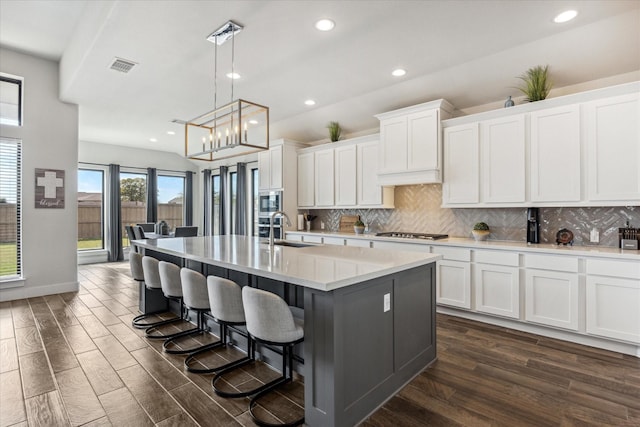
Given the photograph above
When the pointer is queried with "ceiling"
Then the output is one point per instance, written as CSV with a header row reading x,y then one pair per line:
x,y
468,52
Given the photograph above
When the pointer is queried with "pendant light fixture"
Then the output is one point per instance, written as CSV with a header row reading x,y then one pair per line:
x,y
237,128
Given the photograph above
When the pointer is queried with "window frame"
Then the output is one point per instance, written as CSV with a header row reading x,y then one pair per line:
x,y
9,78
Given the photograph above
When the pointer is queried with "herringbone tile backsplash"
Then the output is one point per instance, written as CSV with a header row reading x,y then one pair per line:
x,y
418,210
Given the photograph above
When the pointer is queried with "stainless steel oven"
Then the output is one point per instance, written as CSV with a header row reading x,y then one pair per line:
x,y
263,227
269,202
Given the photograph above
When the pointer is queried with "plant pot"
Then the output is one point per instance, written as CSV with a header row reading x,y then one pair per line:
x,y
358,229
480,235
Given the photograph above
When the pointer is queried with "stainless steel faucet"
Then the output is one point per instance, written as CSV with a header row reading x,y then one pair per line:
x,y
273,215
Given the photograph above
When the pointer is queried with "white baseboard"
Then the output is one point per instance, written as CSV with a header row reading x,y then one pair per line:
x,y
22,292
92,257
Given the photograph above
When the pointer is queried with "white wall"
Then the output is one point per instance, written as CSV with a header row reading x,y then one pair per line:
x,y
49,140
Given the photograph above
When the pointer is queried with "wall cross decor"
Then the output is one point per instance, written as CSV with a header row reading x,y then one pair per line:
x,y
49,189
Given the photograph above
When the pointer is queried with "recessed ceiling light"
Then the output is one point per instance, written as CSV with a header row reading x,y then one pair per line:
x,y
565,16
309,102
233,76
325,25
253,122
398,72
170,132
153,140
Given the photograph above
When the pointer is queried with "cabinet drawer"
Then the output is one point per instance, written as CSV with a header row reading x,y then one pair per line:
x,y
454,254
358,242
601,267
311,239
293,237
497,257
550,262
400,246
333,241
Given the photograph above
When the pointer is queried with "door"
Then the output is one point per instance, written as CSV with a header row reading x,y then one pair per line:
x,y
453,283
306,180
393,145
346,175
423,151
324,178
461,165
368,190
497,290
551,298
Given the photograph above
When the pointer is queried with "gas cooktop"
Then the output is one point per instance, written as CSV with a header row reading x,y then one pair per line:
x,y
403,235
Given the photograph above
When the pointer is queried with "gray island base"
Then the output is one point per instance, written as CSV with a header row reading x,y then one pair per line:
x,y
369,314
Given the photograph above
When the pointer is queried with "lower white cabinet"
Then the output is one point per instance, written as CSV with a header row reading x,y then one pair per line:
x,y
337,241
453,283
613,299
362,243
552,298
497,290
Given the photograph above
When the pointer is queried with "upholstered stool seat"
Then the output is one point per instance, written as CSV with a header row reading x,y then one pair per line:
x,y
195,297
269,321
226,308
151,278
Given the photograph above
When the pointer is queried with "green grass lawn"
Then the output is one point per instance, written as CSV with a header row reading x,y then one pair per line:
x,y
8,256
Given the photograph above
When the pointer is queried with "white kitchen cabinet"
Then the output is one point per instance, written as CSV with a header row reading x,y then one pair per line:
x,y
503,162
270,168
368,192
613,299
397,246
324,178
306,180
613,149
453,276
497,283
336,241
555,168
345,175
551,291
410,144
361,243
461,165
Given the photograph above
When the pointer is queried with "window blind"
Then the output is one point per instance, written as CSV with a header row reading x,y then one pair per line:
x,y
10,208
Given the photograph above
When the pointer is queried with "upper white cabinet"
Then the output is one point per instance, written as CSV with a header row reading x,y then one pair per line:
x,y
345,175
613,148
306,180
575,150
461,165
555,154
410,144
502,154
270,168
324,178
341,175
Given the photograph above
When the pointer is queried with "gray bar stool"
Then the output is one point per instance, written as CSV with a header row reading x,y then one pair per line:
x,y
172,288
225,301
269,321
195,297
151,278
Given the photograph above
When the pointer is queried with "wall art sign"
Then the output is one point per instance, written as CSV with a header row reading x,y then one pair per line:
x,y
49,189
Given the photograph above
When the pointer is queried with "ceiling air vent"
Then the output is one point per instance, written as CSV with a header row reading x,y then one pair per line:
x,y
122,65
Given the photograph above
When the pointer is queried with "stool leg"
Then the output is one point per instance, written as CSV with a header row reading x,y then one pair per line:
x,y
149,331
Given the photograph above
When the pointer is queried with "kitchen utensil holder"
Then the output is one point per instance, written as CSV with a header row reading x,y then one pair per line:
x,y
628,238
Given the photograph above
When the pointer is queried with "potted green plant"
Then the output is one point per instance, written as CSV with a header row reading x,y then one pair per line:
x,y
536,83
334,131
480,231
358,227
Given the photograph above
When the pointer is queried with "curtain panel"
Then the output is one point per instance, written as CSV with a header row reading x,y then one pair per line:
x,y
152,195
114,234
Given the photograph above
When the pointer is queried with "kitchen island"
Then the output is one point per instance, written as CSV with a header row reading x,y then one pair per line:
x,y
369,313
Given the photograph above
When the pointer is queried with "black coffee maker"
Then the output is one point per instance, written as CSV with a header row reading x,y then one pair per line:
x,y
533,225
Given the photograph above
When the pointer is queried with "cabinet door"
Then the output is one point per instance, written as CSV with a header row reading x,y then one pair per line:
x,y
264,170
324,178
423,151
555,155
346,176
612,308
393,145
498,290
453,280
503,160
551,298
613,149
306,179
368,190
461,162
275,156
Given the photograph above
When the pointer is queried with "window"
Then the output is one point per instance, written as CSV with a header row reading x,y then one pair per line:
x,y
133,201
171,200
10,100
215,224
10,212
90,209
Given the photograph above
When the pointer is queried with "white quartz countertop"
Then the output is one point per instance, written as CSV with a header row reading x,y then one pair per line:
x,y
593,251
322,267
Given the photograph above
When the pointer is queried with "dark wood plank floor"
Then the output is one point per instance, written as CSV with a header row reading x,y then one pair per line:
x,y
73,359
